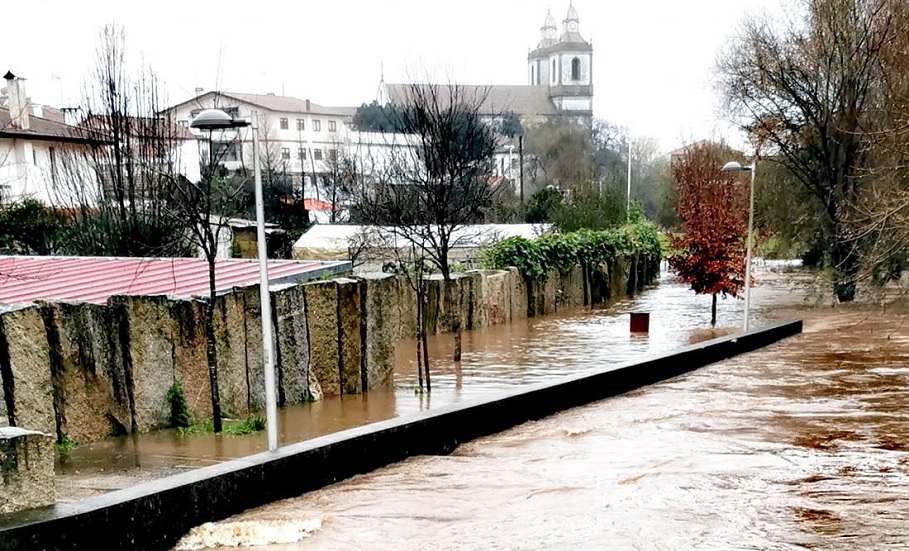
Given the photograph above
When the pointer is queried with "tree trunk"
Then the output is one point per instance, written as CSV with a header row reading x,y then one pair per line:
x,y
454,313
423,339
211,350
420,338
846,265
713,312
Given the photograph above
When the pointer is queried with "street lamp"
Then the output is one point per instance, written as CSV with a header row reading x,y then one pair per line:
x,y
628,191
733,166
215,119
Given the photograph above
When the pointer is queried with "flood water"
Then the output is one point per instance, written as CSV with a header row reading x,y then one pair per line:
x,y
802,445
493,359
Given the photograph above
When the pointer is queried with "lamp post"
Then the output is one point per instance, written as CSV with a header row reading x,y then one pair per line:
x,y
215,119
733,166
511,163
628,190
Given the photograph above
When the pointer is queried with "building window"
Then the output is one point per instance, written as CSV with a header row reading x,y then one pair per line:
x,y
184,124
533,74
554,71
317,125
301,153
317,154
226,151
283,123
301,125
285,153
576,69
332,154
332,126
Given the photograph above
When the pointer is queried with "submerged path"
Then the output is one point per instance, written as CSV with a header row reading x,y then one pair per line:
x,y
803,445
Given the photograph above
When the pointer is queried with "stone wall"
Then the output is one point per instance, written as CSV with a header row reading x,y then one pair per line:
x,y
85,371
26,469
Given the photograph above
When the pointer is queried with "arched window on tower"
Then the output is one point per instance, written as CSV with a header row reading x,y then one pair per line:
x,y
576,69
533,74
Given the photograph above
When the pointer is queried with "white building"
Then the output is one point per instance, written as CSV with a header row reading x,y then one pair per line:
x,y
297,137
34,140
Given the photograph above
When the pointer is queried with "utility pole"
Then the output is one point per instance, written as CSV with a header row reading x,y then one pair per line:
x,y
521,165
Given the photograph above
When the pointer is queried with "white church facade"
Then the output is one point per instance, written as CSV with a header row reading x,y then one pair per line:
x,y
559,78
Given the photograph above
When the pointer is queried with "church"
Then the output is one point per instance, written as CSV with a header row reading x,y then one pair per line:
x,y
559,78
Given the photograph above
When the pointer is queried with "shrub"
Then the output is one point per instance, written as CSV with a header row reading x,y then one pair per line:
x,y
179,413
561,251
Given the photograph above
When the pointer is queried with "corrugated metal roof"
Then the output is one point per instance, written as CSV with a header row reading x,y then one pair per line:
x,y
26,279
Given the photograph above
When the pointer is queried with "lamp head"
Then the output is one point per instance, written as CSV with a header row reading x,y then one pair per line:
x,y
215,119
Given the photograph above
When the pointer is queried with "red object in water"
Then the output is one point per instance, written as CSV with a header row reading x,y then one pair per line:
x,y
640,322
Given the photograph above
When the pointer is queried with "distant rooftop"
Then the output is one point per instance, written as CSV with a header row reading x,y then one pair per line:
x,y
272,102
26,279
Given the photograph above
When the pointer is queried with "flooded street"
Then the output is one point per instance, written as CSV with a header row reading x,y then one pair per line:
x,y
802,445
494,358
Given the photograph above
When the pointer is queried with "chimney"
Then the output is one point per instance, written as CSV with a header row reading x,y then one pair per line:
x,y
307,106
18,102
199,91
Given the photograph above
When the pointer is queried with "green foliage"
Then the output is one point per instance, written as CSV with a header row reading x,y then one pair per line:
x,y
542,205
29,227
250,425
64,446
536,258
591,210
179,413
373,117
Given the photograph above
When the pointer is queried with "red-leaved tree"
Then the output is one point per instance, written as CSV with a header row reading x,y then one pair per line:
x,y
713,208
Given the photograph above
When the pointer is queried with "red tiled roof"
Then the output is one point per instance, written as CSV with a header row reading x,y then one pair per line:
x,y
25,279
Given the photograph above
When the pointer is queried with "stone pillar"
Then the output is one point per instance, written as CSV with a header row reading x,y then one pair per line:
x,y
190,356
255,374
517,290
292,350
231,333
472,287
350,336
26,469
381,323
91,398
146,335
322,323
25,363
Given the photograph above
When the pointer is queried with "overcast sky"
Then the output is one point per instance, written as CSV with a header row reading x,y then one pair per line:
x,y
652,69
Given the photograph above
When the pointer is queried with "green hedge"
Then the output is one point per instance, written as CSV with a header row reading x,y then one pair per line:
x,y
535,258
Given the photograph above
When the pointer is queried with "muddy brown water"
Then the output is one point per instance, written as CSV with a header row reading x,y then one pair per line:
x,y
494,359
802,445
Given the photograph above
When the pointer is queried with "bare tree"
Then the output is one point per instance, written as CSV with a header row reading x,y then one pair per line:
x,y
808,92
436,179
119,194
206,206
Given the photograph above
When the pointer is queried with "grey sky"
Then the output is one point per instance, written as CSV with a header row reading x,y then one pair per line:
x,y
652,58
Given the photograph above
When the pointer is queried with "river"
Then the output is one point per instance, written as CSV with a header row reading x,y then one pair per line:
x,y
802,445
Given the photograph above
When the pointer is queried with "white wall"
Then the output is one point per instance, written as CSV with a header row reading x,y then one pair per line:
x,y
292,139
27,170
